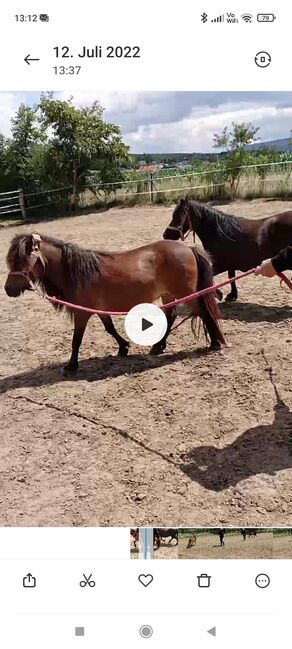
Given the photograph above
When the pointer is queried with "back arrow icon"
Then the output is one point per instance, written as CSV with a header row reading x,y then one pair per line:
x,y
28,59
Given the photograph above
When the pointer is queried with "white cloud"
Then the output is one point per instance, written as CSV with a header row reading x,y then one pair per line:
x,y
175,121
111,101
195,132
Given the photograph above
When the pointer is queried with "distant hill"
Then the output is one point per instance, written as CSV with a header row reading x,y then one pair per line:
x,y
281,145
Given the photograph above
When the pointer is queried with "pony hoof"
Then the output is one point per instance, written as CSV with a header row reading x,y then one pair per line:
x,y
219,295
230,298
215,347
70,369
123,351
156,351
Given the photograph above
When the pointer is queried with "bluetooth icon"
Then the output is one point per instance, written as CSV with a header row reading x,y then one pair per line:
x,y
204,18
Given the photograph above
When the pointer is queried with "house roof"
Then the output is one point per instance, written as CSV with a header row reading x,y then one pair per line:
x,y
148,168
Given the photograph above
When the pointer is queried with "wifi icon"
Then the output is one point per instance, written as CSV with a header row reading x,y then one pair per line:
x,y
247,18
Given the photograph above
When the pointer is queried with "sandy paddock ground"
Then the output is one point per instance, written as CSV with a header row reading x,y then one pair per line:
x,y
185,439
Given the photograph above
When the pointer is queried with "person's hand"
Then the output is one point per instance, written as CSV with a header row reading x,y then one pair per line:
x,y
266,268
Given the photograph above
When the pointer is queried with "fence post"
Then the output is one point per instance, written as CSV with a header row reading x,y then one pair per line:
x,y
151,187
22,204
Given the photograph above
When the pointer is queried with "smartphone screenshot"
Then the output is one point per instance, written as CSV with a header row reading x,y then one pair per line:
x,y
145,324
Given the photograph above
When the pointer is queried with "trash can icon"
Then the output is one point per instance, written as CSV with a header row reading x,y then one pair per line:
x,y
204,580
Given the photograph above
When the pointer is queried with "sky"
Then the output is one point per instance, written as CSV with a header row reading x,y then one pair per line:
x,y
168,122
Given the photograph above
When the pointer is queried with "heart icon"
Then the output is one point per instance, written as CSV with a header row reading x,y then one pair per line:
x,y
145,579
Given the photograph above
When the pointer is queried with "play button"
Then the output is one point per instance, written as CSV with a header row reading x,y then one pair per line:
x,y
145,324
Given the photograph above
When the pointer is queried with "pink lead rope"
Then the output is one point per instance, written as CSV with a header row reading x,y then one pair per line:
x,y
182,300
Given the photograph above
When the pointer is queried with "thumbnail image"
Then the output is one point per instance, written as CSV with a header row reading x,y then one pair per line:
x,y
110,201
235,543
229,543
162,543
211,543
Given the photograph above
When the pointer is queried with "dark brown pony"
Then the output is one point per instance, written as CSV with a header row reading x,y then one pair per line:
x,y
166,533
113,282
234,242
169,533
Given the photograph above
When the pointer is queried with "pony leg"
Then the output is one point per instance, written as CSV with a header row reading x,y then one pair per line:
x,y
219,295
212,328
80,322
233,295
171,314
110,328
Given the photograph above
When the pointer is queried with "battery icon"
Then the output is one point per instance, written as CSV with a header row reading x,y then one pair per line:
x,y
266,18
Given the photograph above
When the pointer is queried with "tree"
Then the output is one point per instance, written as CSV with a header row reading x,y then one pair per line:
x,y
26,135
234,141
236,138
83,147
4,181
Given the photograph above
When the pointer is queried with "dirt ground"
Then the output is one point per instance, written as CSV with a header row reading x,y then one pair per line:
x,y
184,439
208,547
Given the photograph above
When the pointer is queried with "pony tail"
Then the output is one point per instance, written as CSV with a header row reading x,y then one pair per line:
x,y
208,302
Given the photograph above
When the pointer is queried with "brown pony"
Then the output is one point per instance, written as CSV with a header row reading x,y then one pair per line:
x,y
135,535
113,282
191,542
234,242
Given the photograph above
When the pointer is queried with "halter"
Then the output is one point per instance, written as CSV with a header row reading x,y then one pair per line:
x,y
180,227
33,258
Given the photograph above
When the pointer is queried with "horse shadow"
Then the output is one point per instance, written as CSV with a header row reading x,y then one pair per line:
x,y
266,448
250,312
217,546
97,369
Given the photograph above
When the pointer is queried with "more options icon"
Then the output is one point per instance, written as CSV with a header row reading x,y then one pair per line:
x,y
262,580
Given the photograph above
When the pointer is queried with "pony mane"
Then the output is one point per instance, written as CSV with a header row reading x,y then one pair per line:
x,y
226,225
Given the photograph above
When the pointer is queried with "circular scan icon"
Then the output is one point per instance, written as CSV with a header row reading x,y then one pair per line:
x,y
145,324
263,59
146,631
262,580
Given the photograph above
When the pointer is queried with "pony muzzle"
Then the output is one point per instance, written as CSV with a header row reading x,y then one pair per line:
x,y
172,232
17,283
